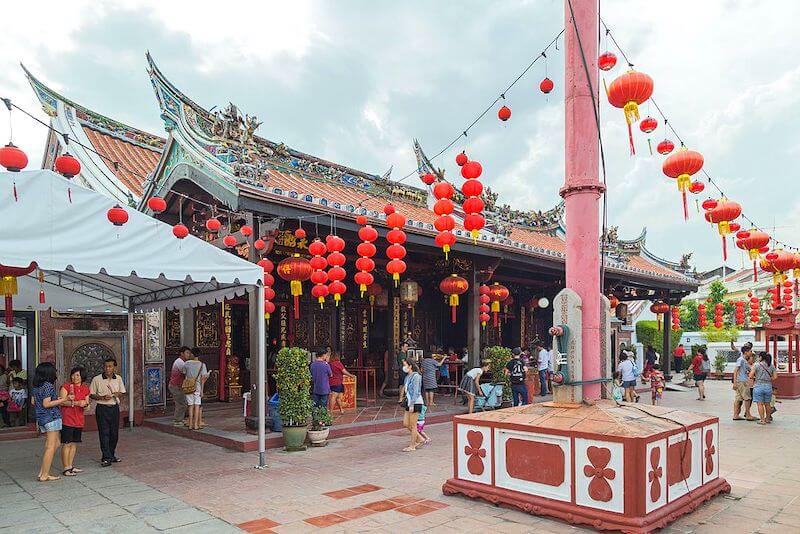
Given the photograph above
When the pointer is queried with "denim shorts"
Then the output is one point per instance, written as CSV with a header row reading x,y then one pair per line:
x,y
629,384
52,426
762,393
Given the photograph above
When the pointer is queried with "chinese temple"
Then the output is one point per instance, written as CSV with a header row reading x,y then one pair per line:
x,y
214,164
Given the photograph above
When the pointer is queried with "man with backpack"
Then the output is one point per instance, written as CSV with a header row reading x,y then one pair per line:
x,y
516,370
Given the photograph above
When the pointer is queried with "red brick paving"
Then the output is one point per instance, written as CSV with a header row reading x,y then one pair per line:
x,y
340,494
416,509
258,526
327,520
382,506
356,513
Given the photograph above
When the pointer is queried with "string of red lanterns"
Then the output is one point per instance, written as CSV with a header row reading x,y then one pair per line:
x,y
336,272
366,250
318,277
269,281
484,308
396,238
474,221
444,223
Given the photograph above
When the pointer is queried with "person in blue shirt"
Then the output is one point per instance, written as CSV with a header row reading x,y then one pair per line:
x,y
48,415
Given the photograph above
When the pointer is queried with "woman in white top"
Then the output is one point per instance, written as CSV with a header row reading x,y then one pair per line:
x,y
195,370
471,383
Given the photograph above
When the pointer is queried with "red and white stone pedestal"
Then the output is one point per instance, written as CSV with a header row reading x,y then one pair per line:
x,y
787,385
607,466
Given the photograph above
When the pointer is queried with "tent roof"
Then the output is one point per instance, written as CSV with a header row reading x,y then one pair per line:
x,y
91,265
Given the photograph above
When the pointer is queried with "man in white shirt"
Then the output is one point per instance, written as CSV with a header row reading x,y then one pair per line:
x,y
106,390
543,367
626,369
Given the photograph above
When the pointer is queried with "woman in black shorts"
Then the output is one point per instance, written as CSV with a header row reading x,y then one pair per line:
x,y
76,395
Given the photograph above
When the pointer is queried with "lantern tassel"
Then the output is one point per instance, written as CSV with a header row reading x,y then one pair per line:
x,y
16,198
41,296
9,311
453,307
650,146
630,140
755,272
724,249
685,208
496,321
69,194
296,306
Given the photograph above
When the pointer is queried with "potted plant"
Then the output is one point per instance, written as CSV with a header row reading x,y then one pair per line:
x,y
320,426
500,356
719,365
293,381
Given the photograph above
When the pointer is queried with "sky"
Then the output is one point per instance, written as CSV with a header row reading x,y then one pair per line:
x,y
356,81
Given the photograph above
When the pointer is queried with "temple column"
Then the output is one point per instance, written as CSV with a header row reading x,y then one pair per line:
x,y
473,320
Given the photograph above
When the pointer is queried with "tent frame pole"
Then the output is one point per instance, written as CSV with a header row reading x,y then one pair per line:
x,y
262,379
131,361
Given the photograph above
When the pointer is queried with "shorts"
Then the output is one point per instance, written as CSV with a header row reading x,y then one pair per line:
x,y
629,384
743,392
70,434
337,389
430,390
420,426
417,408
762,393
194,399
700,378
52,426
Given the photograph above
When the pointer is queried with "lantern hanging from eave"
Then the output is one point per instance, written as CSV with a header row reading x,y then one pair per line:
x,y
336,272
318,277
444,223
396,238
628,92
474,220
484,300
681,166
453,286
497,294
752,241
295,270
722,215
8,287
647,126
676,318
660,308
365,264
373,290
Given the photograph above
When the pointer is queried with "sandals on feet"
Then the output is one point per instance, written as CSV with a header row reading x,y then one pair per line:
x,y
69,472
409,449
49,478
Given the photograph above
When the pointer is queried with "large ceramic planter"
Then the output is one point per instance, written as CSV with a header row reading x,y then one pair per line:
x,y
294,438
318,437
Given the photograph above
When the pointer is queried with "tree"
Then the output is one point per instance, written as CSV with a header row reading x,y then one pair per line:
x,y
689,316
716,295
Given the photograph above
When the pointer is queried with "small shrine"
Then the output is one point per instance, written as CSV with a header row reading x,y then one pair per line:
x,y
782,325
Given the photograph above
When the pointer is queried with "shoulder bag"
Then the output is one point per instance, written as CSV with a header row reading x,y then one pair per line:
x,y
189,384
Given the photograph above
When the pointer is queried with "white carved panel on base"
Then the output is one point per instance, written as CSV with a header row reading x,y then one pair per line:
x,y
710,452
599,475
474,453
536,464
684,464
655,471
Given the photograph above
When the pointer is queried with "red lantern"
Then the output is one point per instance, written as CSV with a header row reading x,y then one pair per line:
x,y
709,204
497,294
69,166
471,170
388,209
697,187
180,231
365,264
628,92
300,233
702,316
606,61
213,225
428,178
461,159
246,231
665,147
12,158
660,308
752,241
157,204
453,286
260,244
117,215
229,241
295,270
504,113
648,124
8,287
681,166
722,215
337,289
546,85
361,219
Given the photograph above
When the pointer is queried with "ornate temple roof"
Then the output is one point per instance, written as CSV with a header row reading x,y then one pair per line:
x,y
223,146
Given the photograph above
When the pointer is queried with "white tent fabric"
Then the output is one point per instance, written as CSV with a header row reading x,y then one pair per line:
x,y
91,265
138,267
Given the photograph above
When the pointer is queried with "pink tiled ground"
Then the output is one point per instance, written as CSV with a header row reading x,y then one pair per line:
x,y
759,461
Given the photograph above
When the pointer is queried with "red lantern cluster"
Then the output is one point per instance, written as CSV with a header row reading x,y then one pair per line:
x,y
755,242
396,238
318,277
722,214
295,270
755,310
484,306
269,281
365,264
702,316
739,312
336,272
628,92
718,317
676,318
68,165
117,215
497,294
473,206
504,113
453,286
444,223
681,166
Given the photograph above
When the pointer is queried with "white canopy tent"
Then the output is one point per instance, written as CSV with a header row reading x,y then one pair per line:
x,y
90,265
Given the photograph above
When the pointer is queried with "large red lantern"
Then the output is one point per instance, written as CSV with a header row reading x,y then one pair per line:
x,y
453,286
8,287
117,215
722,215
365,264
681,166
606,61
396,238
295,270
318,277
497,294
68,165
660,308
752,241
12,158
628,92
157,204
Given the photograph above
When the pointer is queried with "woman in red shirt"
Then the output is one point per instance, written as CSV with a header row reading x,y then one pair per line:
x,y
700,367
77,394
337,381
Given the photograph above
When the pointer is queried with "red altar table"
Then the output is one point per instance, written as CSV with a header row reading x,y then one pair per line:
x,y
782,324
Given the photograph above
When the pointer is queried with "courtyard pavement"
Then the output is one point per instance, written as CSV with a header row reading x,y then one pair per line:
x,y
362,484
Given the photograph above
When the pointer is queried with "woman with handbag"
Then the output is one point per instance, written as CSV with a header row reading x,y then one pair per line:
x,y
412,402
762,374
195,375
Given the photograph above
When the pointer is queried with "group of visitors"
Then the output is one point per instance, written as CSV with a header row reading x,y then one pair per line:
x,y
60,414
13,394
752,382
187,379
327,377
628,372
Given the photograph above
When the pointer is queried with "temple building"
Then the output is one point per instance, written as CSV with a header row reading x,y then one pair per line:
x,y
215,164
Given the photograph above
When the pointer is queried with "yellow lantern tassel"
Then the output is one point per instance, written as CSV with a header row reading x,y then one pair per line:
x,y
296,287
363,288
631,110
446,249
321,302
8,285
496,306
396,278
336,298
474,234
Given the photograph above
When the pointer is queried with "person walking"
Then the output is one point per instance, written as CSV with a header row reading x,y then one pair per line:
x,y
106,389
656,384
48,415
678,355
195,374
175,380
701,367
338,372
742,384
762,374
76,397
320,376
650,359
429,368
543,366
626,369
515,370
411,401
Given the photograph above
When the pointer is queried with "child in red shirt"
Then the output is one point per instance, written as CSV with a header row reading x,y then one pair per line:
x,y
656,384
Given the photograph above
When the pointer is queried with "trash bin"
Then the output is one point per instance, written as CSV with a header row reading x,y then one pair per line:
x,y
273,413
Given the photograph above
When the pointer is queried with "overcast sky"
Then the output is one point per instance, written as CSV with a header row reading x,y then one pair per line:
x,y
356,81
